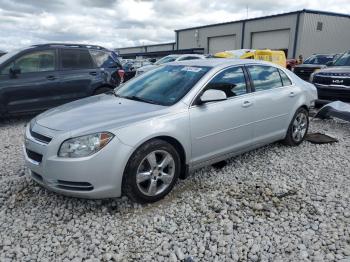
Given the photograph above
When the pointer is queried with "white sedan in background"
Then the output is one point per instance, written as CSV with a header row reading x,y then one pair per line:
x,y
168,59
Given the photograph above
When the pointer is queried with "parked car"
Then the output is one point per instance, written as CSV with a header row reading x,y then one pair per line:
x,y
312,64
333,82
181,116
44,76
129,70
168,59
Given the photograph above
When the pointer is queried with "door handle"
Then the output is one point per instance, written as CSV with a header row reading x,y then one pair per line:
x,y
93,73
246,103
292,94
51,78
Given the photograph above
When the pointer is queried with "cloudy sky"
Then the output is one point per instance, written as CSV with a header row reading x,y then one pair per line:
x,y
120,23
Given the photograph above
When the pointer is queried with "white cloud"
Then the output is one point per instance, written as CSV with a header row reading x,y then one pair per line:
x,y
118,23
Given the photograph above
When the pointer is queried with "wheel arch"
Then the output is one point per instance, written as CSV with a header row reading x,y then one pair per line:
x,y
178,147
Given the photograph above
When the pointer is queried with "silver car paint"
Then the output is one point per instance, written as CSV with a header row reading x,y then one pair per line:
x,y
207,133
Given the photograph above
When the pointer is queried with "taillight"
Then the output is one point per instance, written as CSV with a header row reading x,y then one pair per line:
x,y
121,74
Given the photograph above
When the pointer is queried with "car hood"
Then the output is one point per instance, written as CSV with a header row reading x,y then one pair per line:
x,y
309,66
336,69
106,110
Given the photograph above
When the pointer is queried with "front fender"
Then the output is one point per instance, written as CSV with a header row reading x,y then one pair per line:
x,y
174,125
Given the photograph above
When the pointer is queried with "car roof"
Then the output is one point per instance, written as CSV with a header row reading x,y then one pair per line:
x,y
220,62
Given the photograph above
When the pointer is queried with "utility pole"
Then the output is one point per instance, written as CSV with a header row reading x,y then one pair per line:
x,y
247,11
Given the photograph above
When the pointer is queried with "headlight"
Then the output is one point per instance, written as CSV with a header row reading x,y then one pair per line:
x,y
312,77
84,145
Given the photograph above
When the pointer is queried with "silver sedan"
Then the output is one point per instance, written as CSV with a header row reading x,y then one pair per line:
x,y
154,129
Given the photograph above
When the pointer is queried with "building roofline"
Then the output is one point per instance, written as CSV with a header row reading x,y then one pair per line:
x,y
166,52
310,11
160,44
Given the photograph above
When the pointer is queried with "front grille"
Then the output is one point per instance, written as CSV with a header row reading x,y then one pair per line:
x,y
34,156
331,80
39,137
74,186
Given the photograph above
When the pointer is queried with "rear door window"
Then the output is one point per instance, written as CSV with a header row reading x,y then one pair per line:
x,y
285,79
75,59
103,59
264,77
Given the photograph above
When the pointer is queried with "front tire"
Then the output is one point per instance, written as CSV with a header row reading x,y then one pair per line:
x,y
298,128
151,172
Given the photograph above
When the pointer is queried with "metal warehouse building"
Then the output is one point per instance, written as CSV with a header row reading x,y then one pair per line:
x,y
301,32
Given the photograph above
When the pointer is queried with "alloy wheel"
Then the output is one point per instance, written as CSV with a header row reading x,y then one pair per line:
x,y
155,173
299,127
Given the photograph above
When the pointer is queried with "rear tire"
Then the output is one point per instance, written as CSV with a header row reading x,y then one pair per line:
x,y
151,172
102,90
298,128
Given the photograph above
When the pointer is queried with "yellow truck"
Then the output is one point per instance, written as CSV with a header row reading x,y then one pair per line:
x,y
277,57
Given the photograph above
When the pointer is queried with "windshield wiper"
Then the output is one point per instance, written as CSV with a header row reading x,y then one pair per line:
x,y
137,98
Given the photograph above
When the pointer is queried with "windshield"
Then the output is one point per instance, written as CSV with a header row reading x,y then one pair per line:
x,y
319,59
166,59
7,56
163,86
344,60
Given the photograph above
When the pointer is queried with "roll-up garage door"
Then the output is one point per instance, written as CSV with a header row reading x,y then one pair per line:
x,y
278,39
221,43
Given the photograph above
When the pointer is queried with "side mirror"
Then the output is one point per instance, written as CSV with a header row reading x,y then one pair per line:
x,y
14,71
329,63
212,95
152,60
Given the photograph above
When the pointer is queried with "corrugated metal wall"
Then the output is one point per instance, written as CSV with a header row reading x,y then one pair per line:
x,y
333,38
156,48
146,48
136,49
198,38
286,22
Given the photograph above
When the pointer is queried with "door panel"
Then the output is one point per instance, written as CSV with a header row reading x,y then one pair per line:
x,y
30,92
77,74
224,126
273,103
34,86
273,108
221,127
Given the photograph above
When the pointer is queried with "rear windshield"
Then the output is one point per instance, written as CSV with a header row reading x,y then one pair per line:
x,y
166,59
319,59
344,60
163,86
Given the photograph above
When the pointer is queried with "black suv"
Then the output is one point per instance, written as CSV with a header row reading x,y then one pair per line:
x,y
44,76
333,82
312,63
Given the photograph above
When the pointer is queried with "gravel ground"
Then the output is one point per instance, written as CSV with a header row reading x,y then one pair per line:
x,y
276,203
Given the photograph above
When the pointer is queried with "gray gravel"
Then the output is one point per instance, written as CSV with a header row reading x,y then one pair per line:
x,y
276,203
